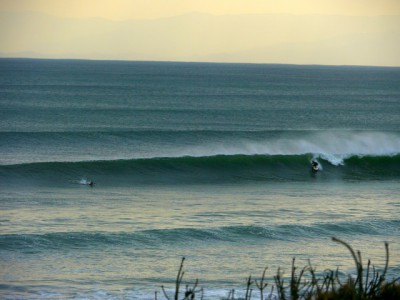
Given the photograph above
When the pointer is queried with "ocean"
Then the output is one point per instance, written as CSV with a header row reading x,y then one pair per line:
x,y
205,161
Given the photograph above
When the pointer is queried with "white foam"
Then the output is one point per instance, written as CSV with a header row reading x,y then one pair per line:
x,y
83,181
333,146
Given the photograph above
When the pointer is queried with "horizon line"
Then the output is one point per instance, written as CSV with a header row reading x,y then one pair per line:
x,y
191,62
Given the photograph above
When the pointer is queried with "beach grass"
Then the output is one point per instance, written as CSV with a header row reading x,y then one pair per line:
x,y
304,283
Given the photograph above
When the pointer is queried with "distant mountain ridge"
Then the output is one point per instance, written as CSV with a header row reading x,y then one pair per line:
x,y
298,39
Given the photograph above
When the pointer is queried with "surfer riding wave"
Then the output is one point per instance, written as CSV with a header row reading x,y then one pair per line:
x,y
314,165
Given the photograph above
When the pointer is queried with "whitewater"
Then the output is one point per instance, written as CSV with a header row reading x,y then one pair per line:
x,y
205,161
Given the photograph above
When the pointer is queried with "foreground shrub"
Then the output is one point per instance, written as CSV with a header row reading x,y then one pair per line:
x,y
367,284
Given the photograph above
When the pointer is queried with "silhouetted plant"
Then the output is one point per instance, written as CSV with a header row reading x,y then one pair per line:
x,y
248,288
279,281
368,286
261,285
190,293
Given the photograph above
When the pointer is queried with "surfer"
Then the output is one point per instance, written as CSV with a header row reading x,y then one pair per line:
x,y
86,182
314,165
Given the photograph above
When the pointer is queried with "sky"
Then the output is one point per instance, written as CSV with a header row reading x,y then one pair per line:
x,y
344,32
152,9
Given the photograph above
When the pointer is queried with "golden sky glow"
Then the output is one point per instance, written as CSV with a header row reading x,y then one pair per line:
x,y
150,9
349,32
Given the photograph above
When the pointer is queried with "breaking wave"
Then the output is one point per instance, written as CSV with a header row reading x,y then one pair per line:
x,y
207,169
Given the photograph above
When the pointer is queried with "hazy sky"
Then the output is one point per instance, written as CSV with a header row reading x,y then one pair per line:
x,y
268,31
150,9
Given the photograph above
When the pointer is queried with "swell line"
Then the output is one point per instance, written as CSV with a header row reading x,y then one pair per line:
x,y
157,237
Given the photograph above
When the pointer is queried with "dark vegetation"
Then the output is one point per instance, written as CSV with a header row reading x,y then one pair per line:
x,y
367,284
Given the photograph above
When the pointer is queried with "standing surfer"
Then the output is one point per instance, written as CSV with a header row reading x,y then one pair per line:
x,y
314,165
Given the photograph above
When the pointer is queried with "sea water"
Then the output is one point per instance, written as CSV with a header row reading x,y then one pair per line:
x,y
210,162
